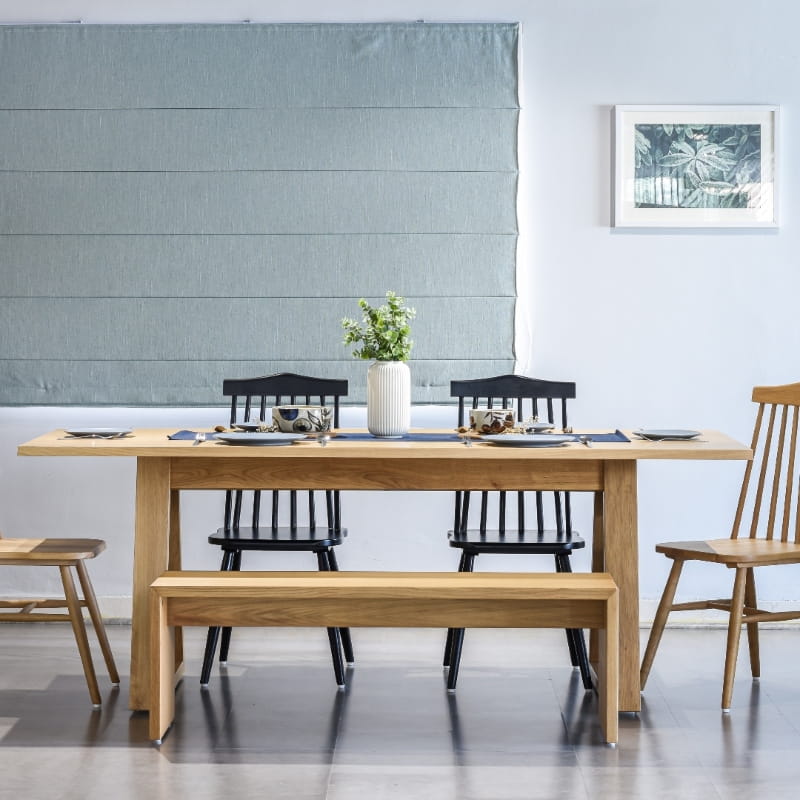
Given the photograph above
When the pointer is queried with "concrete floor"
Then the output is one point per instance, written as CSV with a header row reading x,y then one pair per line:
x,y
273,726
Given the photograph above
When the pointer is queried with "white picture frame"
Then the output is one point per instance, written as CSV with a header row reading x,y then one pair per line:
x,y
695,166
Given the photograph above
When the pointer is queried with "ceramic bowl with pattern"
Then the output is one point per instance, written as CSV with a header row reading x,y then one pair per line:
x,y
302,419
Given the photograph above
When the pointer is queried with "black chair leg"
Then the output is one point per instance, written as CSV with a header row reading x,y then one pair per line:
x,y
334,638
336,654
575,638
234,565
448,646
455,658
455,636
208,658
213,633
344,633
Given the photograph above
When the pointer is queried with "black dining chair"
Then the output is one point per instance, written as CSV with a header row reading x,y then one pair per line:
x,y
528,398
286,527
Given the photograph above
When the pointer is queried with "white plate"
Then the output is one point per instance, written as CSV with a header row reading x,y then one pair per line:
x,y
258,439
528,439
656,434
98,433
250,426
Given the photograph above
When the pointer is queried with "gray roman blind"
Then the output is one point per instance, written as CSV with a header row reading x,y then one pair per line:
x,y
184,203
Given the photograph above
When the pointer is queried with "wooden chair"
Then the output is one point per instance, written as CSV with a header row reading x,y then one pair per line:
x,y
766,532
66,554
546,400
252,399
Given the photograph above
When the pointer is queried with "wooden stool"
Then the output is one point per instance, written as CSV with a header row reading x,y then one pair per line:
x,y
66,554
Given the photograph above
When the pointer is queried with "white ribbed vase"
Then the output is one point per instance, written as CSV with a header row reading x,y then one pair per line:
x,y
388,398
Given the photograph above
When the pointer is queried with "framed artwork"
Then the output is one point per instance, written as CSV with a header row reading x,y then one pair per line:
x,y
695,166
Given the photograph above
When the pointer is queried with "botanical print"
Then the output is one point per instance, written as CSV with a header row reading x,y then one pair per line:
x,y
697,166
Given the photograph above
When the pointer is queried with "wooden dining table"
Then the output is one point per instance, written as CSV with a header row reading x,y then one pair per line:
x,y
166,467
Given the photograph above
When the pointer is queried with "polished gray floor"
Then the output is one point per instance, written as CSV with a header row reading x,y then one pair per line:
x,y
273,725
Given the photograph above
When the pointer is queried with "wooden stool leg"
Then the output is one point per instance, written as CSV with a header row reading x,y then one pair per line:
x,y
664,607
79,629
94,612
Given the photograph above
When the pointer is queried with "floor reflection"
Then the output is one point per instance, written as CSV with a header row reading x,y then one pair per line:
x,y
520,725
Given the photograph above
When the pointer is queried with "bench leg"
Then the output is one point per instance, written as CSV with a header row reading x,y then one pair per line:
x,y
608,678
162,669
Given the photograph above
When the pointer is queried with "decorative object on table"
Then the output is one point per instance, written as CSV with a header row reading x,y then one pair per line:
x,y
766,517
67,555
302,419
384,334
491,420
541,400
271,520
696,166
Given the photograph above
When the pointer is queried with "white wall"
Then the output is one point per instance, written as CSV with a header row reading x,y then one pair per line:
x,y
658,328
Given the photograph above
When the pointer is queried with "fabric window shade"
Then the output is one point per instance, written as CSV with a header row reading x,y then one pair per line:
x,y
184,203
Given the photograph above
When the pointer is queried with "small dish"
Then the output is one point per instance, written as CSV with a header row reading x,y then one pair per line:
x,y
257,425
538,427
98,433
657,434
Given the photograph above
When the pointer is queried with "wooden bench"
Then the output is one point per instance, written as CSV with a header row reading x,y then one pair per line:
x,y
381,599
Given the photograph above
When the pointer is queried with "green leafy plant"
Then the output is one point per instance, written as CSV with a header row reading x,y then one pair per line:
x,y
384,331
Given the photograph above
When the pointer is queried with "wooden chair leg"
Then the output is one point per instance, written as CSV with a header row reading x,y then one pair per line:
x,y
734,632
751,601
660,621
79,630
99,628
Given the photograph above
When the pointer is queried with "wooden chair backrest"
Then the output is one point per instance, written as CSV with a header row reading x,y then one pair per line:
x,y
768,500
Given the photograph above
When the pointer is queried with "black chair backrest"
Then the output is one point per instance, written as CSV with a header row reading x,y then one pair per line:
x,y
252,399
529,397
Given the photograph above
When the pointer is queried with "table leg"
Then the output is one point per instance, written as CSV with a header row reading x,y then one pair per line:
x,y
621,557
598,565
175,564
150,559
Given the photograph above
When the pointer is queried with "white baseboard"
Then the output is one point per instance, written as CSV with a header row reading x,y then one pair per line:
x,y
708,618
